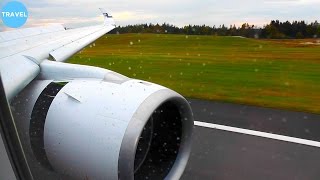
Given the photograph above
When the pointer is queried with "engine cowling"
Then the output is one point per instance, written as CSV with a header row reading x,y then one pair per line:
x,y
95,129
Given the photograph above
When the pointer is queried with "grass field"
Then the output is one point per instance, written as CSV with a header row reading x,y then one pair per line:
x,y
272,73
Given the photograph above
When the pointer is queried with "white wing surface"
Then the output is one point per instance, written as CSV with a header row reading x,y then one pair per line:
x,y
23,51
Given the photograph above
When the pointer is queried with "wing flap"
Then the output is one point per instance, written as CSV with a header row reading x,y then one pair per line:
x,y
37,42
66,51
27,32
17,73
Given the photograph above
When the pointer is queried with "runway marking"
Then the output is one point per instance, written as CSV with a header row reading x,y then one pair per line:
x,y
259,134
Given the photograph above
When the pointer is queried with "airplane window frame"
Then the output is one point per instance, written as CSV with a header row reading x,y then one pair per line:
x,y
11,139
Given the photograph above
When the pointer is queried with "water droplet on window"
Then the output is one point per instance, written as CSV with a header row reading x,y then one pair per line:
x,y
284,120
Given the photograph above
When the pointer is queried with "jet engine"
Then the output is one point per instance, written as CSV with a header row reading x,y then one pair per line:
x,y
91,128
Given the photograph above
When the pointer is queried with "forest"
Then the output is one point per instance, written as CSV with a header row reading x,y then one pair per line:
x,y
274,30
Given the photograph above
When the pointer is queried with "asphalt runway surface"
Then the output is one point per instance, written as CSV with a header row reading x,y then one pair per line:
x,y
218,154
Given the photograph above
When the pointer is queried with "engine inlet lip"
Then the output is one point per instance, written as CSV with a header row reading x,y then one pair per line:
x,y
149,144
138,121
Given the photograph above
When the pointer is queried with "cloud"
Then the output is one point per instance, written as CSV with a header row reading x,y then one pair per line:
x,y
178,12
293,2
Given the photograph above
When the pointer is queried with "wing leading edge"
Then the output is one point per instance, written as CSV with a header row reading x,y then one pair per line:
x,y
22,51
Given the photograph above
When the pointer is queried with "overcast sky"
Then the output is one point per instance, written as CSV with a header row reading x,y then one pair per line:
x,y
74,13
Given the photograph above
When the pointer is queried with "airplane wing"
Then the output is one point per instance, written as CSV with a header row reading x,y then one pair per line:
x,y
23,51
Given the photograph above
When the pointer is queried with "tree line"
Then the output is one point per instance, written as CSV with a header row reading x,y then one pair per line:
x,y
273,30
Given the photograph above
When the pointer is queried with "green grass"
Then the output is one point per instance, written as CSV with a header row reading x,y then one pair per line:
x,y
272,73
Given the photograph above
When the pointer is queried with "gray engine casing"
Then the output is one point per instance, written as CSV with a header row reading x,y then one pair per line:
x,y
106,130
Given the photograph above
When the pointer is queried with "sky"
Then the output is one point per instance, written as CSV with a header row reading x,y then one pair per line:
x,y
76,13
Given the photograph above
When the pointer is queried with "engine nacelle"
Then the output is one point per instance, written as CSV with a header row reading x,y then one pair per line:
x,y
96,129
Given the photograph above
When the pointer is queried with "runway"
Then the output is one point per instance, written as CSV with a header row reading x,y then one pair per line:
x,y
220,154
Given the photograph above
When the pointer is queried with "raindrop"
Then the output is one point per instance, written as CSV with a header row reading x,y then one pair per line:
x,y
243,149
307,131
284,120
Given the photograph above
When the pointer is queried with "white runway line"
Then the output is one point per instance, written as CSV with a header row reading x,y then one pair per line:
x,y
259,134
